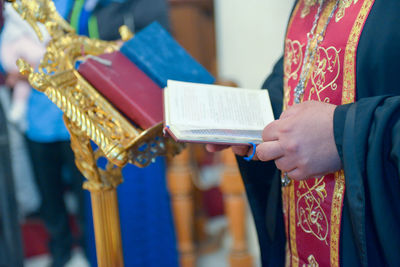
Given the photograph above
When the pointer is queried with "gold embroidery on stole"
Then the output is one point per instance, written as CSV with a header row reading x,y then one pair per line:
x,y
312,262
307,7
348,96
343,4
336,215
293,60
311,217
326,62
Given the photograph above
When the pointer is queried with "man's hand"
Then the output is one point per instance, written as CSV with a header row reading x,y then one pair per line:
x,y
238,150
301,142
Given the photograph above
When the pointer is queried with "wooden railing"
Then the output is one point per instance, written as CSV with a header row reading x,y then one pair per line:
x,y
180,174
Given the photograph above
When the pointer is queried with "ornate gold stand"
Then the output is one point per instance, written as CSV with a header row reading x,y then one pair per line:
x,y
88,116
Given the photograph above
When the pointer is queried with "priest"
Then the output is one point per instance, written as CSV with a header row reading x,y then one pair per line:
x,y
326,191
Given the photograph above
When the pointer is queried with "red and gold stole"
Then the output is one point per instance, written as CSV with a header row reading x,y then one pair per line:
x,y
313,208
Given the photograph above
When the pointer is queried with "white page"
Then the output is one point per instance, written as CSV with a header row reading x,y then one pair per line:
x,y
199,106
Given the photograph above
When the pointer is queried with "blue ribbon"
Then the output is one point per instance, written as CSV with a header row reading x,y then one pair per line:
x,y
248,158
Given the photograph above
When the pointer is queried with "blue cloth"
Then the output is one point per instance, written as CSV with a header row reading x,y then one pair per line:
x,y
63,7
147,230
84,22
44,119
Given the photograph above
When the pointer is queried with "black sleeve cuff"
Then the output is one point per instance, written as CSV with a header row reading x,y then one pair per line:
x,y
339,119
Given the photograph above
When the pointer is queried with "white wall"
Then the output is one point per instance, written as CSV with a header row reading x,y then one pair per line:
x,y
249,38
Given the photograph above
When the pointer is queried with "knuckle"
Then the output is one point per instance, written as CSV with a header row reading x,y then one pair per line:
x,y
281,165
292,146
284,128
303,163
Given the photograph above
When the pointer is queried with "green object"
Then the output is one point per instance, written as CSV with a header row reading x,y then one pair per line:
x,y
93,28
76,13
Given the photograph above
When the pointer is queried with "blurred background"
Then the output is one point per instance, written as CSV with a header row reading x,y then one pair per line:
x,y
238,42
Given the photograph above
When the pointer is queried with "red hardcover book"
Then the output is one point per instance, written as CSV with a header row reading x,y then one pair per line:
x,y
126,87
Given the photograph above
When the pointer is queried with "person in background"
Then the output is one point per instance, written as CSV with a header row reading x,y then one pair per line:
x,y
18,41
11,253
48,144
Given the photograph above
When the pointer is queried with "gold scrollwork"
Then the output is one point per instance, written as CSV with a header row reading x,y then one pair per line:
x,y
343,5
293,59
42,11
326,64
86,161
293,62
311,216
307,6
312,262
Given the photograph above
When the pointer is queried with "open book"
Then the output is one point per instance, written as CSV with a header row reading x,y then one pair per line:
x,y
204,113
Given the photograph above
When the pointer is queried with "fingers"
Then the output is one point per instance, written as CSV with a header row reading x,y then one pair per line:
x,y
269,151
271,132
285,164
238,150
241,150
215,148
296,174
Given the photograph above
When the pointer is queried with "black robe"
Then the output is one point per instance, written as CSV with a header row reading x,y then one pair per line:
x,y
367,135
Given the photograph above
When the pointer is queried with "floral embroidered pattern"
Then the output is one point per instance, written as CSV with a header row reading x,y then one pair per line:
x,y
343,4
307,6
311,216
327,64
293,59
312,262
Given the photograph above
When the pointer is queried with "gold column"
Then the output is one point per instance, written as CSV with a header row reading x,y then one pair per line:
x,y
107,228
102,185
